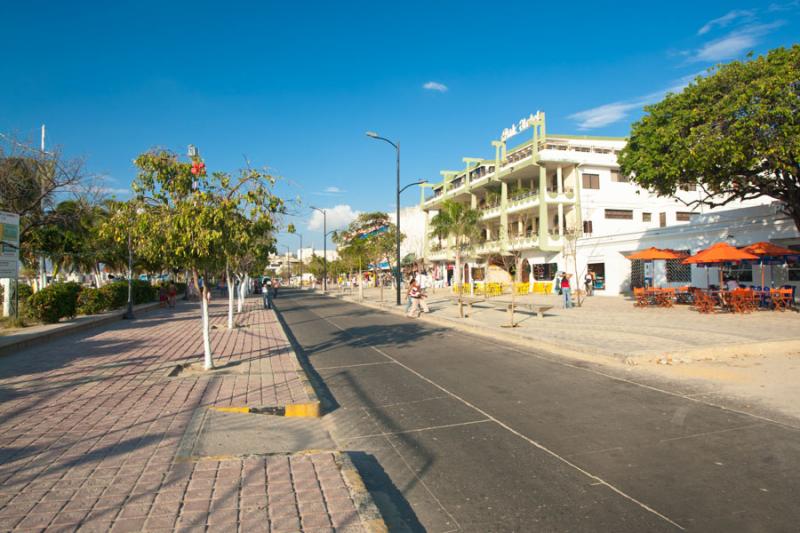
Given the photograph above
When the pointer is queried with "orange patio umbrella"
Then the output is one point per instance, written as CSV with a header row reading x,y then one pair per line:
x,y
717,254
766,250
656,254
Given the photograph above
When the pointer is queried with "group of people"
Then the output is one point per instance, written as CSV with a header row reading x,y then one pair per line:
x,y
563,286
167,295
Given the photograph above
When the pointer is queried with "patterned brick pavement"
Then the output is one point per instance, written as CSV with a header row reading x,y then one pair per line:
x,y
90,426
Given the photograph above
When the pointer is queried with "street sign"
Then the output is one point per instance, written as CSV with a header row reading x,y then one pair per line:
x,y
9,244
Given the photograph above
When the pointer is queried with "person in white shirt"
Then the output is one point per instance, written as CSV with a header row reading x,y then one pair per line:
x,y
732,284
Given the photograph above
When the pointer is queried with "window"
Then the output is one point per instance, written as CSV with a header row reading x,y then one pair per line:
x,y
619,177
741,273
599,275
677,271
662,220
587,227
591,181
619,214
647,217
545,271
793,270
683,216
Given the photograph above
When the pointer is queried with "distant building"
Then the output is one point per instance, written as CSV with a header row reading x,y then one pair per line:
x,y
549,195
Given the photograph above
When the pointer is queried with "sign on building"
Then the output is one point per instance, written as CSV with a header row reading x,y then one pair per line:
x,y
9,244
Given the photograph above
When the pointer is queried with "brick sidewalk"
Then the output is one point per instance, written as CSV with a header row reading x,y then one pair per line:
x,y
90,426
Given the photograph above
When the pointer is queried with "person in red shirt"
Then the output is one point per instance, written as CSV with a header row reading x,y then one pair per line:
x,y
566,290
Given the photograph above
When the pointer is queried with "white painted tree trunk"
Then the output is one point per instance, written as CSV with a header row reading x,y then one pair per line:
x,y
229,283
6,282
208,363
242,292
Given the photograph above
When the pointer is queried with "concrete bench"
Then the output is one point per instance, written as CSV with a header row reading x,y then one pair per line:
x,y
468,301
534,308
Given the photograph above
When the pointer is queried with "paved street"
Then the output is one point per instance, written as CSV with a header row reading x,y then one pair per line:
x,y
94,430
457,433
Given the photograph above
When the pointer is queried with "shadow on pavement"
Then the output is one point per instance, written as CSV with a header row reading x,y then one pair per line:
x,y
395,509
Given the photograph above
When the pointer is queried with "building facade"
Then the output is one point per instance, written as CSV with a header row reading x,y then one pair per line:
x,y
543,199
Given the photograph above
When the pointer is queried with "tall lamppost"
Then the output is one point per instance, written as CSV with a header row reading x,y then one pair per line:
x,y
398,275
301,259
324,247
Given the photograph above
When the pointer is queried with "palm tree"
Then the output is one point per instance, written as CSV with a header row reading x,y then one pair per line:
x,y
462,223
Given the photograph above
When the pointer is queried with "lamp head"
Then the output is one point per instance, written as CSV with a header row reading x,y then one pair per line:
x,y
372,134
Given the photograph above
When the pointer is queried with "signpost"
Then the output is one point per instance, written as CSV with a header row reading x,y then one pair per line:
x,y
9,244
9,257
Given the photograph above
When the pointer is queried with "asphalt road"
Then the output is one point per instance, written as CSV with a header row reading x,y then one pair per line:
x,y
453,432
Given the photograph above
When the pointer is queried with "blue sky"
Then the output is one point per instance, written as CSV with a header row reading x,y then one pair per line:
x,y
294,86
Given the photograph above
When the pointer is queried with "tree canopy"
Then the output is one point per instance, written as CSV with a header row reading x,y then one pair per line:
x,y
734,134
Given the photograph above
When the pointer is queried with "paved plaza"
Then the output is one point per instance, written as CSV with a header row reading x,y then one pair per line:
x,y
92,426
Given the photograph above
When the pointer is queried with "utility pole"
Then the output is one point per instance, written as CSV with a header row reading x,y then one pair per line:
x,y
42,268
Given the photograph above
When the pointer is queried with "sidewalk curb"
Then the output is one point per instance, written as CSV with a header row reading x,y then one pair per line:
x,y
368,512
312,408
67,328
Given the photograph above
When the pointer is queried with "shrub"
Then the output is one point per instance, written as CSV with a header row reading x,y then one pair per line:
x,y
115,294
92,301
54,302
143,292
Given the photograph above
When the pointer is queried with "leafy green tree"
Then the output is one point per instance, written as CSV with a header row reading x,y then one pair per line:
x,y
461,223
735,134
184,216
378,236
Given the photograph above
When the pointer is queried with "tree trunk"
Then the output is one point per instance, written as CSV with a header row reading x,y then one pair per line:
x,y
208,363
230,295
242,290
457,276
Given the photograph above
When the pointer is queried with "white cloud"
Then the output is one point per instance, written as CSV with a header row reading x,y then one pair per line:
x,y
330,191
338,217
734,43
606,114
435,86
725,20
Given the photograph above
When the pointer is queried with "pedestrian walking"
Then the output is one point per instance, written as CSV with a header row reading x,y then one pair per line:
x,y
172,295
557,284
162,296
566,290
274,288
408,296
589,284
266,292
418,304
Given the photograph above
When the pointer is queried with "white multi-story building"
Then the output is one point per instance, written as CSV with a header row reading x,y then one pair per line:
x,y
543,198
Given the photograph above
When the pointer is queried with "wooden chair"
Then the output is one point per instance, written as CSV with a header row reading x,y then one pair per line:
x,y
703,302
666,297
781,299
641,297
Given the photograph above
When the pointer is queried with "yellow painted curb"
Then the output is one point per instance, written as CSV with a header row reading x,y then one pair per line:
x,y
231,409
310,410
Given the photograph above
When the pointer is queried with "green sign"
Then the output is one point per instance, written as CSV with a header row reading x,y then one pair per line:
x,y
9,244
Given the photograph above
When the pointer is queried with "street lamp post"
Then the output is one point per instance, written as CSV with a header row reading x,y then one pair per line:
x,y
398,275
129,312
324,247
301,259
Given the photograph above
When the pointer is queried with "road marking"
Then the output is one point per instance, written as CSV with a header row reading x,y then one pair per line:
x,y
515,432
352,366
711,433
445,426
